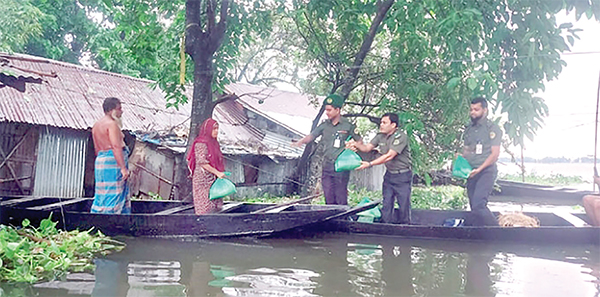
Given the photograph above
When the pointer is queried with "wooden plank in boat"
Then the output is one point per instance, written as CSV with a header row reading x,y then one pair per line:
x,y
278,209
174,210
65,202
569,217
287,203
231,206
12,202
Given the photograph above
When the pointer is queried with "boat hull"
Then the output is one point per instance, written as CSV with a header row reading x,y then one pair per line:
x,y
428,224
148,218
524,192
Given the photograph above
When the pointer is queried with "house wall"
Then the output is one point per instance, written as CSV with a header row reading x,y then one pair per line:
x,y
272,175
148,161
21,161
152,171
60,167
370,178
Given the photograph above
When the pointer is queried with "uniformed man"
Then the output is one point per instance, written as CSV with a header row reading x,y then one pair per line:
x,y
334,132
481,148
392,143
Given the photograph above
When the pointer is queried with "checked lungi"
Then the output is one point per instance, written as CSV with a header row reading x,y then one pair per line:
x,y
112,193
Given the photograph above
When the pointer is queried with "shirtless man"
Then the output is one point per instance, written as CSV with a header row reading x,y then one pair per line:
x,y
111,172
591,203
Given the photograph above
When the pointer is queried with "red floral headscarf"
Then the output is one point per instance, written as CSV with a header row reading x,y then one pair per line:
x,y
215,156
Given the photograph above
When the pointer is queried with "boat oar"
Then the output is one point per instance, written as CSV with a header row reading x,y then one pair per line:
x,y
353,210
287,203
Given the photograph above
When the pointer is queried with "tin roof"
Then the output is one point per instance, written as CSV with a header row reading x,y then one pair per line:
x,y
70,96
294,110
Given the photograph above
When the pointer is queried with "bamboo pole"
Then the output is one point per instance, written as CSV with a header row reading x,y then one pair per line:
x,y
596,133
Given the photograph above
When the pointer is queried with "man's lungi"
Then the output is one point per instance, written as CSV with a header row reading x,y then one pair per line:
x,y
112,193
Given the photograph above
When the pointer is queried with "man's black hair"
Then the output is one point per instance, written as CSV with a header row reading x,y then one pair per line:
x,y
392,116
480,100
110,103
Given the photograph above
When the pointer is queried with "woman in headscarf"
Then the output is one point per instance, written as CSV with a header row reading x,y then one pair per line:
x,y
205,162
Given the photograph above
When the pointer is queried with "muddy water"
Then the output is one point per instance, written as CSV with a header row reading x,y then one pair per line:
x,y
332,265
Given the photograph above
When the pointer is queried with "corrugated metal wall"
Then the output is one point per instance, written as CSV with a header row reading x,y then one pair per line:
x,y
61,162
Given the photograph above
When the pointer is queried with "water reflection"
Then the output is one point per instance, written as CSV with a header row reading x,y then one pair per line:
x,y
478,281
332,265
397,271
111,278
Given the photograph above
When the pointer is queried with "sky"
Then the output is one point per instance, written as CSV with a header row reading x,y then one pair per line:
x,y
571,99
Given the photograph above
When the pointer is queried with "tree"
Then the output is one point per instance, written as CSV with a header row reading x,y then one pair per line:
x,y
205,33
430,57
67,29
20,22
330,38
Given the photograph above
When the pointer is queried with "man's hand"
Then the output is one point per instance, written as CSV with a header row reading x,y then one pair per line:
x,y
221,175
474,172
124,173
363,165
296,143
351,145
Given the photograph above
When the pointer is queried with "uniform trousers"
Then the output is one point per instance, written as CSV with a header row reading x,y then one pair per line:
x,y
396,187
479,188
335,184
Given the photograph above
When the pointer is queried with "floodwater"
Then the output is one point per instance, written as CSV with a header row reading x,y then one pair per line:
x,y
332,264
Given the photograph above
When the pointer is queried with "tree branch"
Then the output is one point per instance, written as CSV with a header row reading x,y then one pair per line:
x,y
225,97
192,27
371,118
384,7
216,36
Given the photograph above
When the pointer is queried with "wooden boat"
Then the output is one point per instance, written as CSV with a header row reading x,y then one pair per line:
x,y
166,218
562,227
525,192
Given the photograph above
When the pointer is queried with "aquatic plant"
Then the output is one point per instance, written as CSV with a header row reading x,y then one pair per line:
x,y
31,255
541,179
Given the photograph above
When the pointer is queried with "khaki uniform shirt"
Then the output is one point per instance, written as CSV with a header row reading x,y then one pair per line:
x,y
334,137
398,142
479,139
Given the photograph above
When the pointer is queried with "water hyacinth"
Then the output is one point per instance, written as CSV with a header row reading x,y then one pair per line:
x,y
31,255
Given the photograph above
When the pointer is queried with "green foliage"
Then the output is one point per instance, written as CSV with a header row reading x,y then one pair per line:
x,y
31,254
550,180
430,57
422,197
155,196
266,198
20,21
67,29
439,197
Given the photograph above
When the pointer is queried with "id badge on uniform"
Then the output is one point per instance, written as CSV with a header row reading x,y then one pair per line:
x,y
479,149
336,143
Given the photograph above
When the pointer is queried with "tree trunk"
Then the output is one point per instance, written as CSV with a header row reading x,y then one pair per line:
x,y
202,108
201,44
